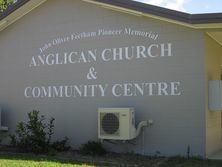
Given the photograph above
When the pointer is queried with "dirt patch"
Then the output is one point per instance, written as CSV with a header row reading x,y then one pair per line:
x,y
115,159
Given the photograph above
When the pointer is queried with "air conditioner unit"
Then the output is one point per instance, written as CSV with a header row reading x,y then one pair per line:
x,y
116,123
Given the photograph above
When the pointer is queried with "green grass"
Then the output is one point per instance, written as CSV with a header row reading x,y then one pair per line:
x,y
37,161
24,160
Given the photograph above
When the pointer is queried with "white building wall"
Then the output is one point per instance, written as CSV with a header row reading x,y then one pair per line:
x,y
179,120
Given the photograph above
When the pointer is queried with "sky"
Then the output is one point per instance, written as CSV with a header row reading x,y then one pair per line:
x,y
189,6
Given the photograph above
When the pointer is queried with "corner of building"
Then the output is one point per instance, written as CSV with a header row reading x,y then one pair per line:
x,y
213,124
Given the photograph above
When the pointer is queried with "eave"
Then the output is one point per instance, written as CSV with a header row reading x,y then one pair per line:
x,y
196,21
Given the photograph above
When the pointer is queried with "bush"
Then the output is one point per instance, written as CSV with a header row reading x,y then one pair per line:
x,y
35,135
61,145
4,4
92,148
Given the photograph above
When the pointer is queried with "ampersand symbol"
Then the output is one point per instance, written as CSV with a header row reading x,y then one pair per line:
x,y
92,74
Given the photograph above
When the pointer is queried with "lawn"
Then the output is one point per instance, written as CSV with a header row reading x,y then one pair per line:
x,y
37,161
24,160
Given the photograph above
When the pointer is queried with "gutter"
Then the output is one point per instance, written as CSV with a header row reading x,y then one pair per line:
x,y
195,21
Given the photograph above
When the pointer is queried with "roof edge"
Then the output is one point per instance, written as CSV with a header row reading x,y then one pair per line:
x,y
18,10
12,8
213,20
197,21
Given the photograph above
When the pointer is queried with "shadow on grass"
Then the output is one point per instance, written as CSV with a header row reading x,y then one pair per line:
x,y
171,162
192,162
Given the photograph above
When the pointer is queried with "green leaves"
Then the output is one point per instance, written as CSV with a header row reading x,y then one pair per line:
x,y
35,135
92,148
4,4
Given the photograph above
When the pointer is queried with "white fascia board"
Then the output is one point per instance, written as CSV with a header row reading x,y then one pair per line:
x,y
32,4
137,13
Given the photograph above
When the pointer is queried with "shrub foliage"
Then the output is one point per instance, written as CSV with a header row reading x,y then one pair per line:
x,y
35,135
92,148
4,4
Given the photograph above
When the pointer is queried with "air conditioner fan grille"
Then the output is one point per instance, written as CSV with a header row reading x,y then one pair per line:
x,y
110,123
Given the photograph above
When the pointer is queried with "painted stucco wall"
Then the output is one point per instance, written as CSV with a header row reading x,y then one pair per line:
x,y
178,119
213,119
